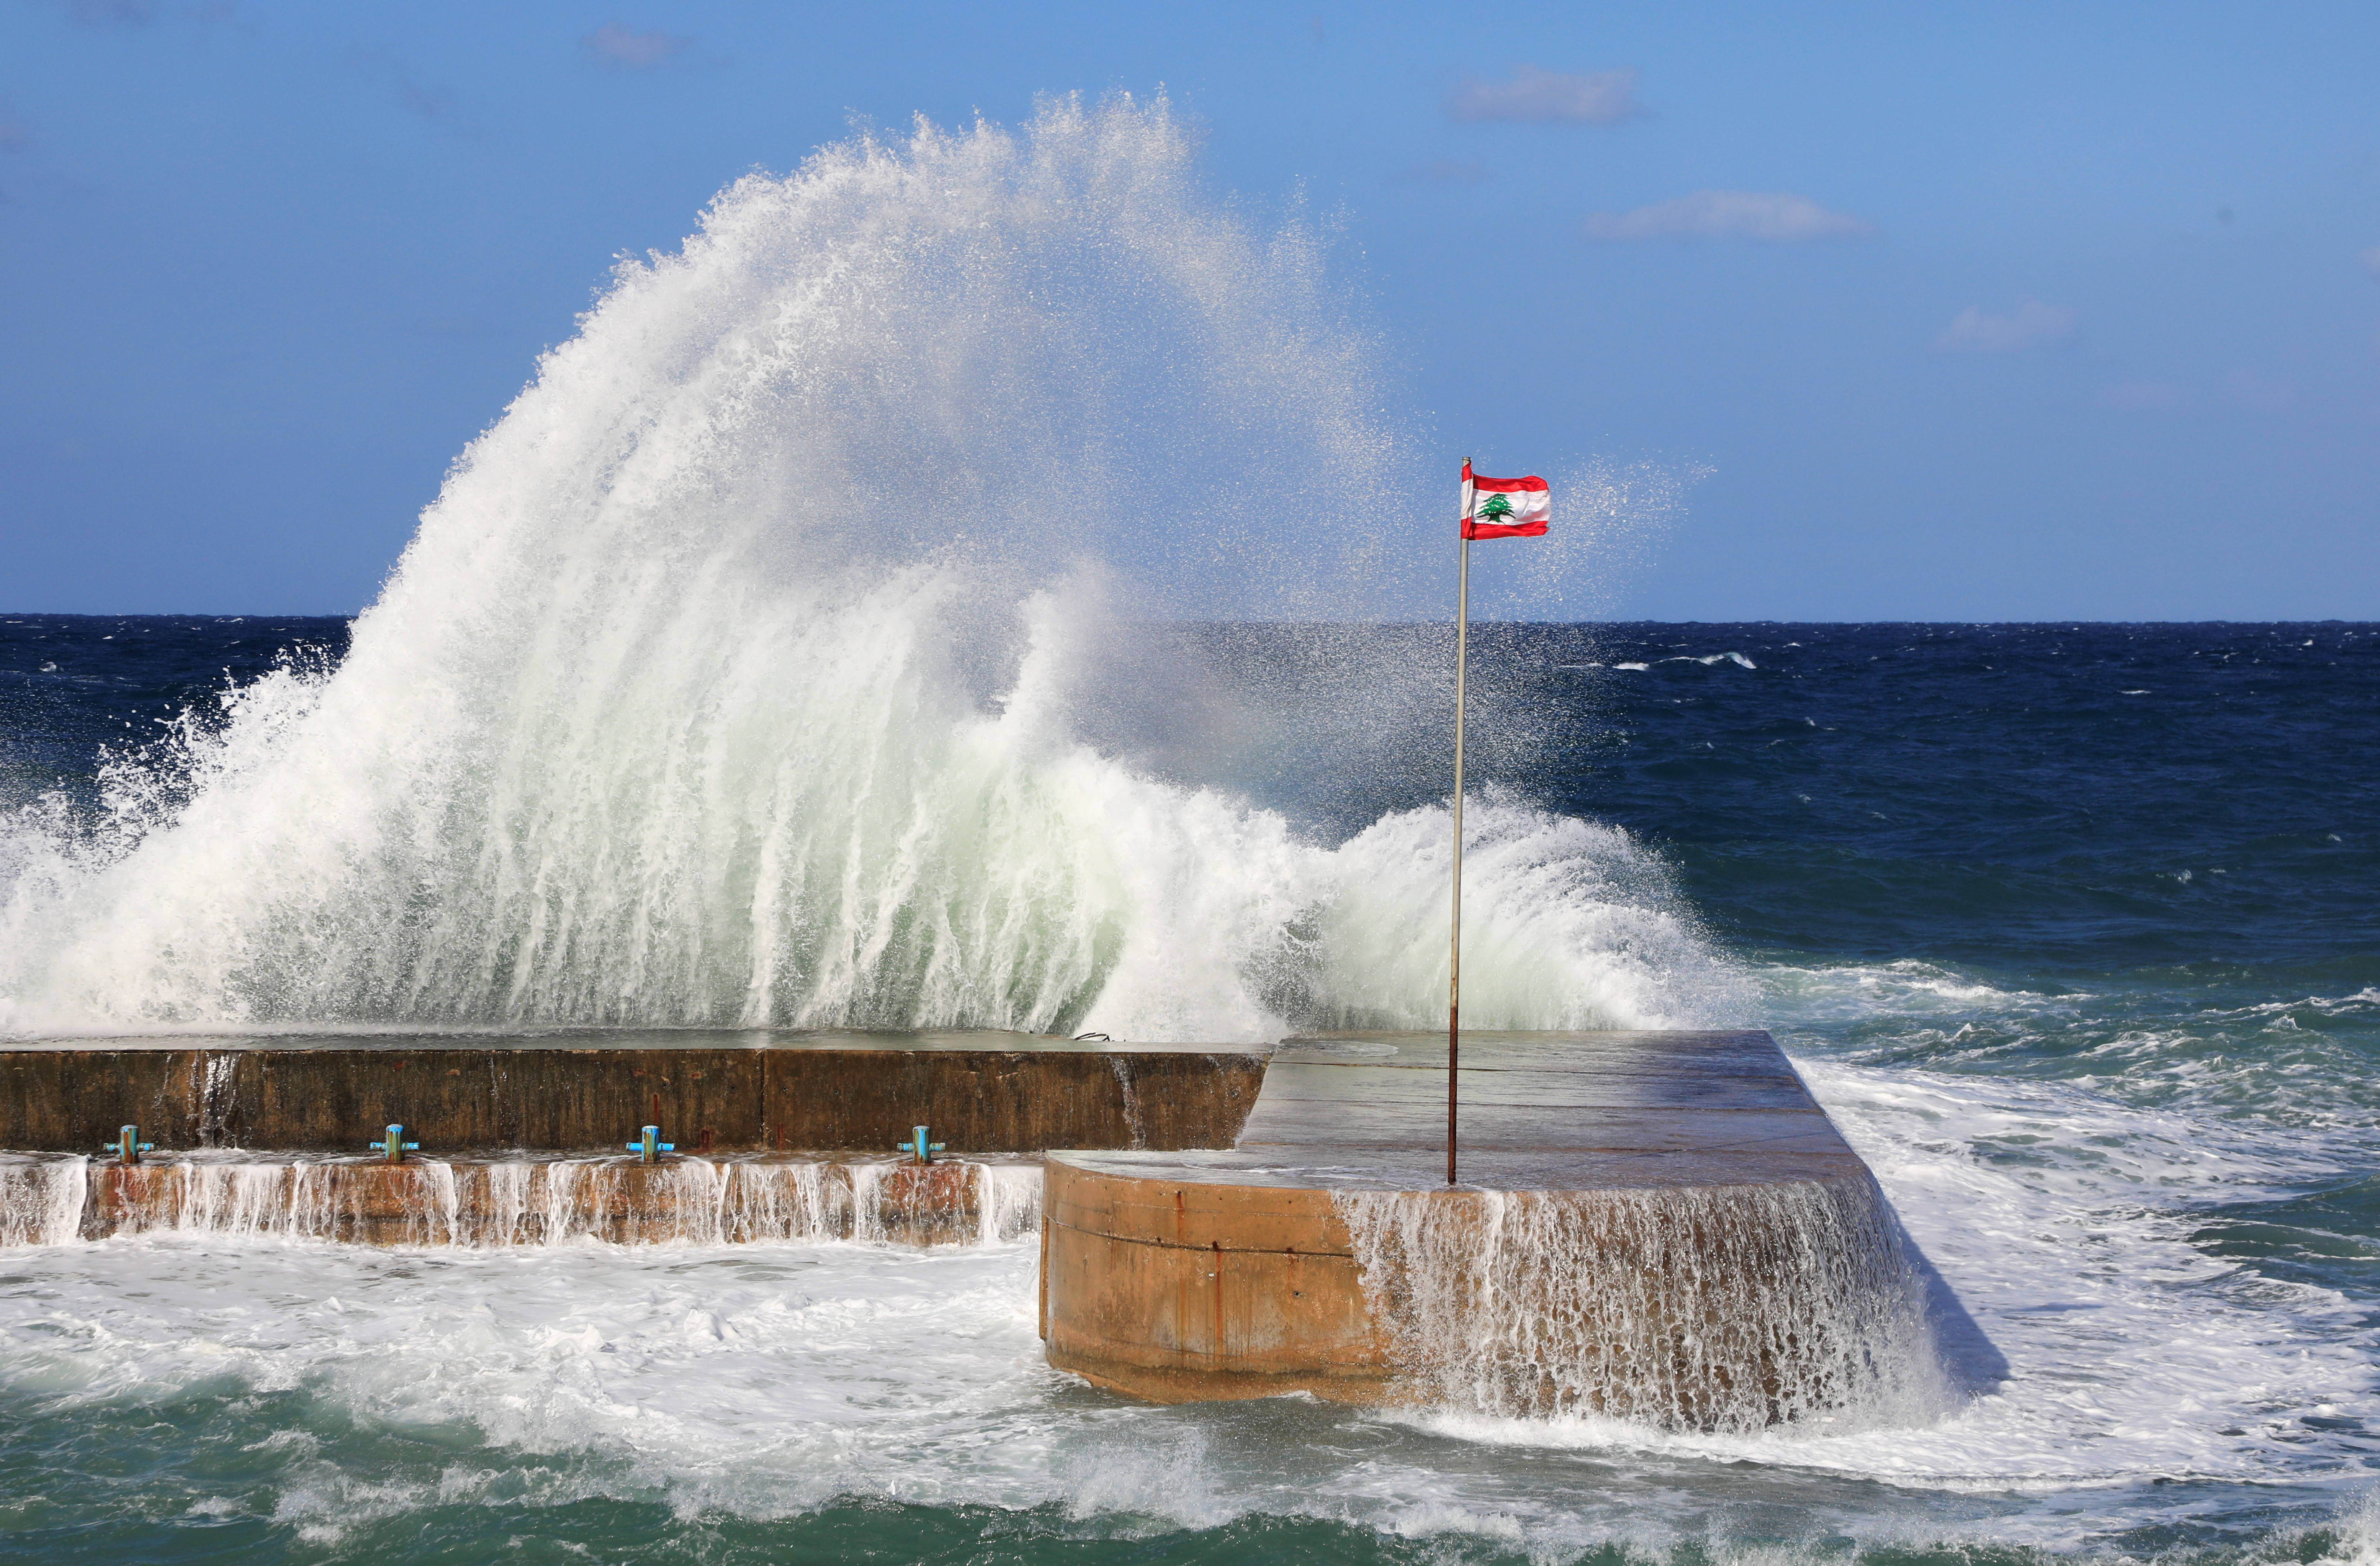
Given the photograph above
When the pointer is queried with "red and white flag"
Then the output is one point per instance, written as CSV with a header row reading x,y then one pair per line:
x,y
1504,508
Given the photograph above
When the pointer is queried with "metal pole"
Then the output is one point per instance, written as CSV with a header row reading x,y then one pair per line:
x,y
1454,923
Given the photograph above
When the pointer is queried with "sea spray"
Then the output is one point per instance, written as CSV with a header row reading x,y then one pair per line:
x,y
1567,924
1723,1309
746,671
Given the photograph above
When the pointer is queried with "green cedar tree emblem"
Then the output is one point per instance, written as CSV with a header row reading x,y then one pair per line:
x,y
1497,509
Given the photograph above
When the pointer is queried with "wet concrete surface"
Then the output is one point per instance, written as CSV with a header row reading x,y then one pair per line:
x,y
981,1091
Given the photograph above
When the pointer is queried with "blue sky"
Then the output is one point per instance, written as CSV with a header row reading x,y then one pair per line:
x,y
1989,312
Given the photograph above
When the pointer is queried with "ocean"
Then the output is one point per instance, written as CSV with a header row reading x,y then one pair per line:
x,y
870,619
2068,925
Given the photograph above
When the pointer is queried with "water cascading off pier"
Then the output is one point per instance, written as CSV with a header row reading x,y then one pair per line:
x,y
520,1201
1657,1227
785,1137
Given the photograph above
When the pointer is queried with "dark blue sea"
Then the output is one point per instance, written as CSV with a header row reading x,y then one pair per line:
x,y
2071,928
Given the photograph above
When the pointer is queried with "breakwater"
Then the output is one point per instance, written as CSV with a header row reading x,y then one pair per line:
x,y
520,1201
1663,1228
983,1091
1657,1227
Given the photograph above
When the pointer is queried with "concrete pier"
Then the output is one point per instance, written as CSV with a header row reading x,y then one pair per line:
x,y
1656,1226
710,1091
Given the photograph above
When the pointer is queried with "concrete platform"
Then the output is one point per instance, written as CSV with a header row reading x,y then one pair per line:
x,y
1654,1226
710,1091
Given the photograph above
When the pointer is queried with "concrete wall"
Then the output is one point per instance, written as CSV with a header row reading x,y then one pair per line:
x,y
1729,1307
1182,1290
1657,1227
593,1100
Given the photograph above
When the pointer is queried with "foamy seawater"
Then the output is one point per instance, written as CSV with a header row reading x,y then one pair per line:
x,y
347,1401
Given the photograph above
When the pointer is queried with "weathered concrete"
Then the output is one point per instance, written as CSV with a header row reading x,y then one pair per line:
x,y
1323,1251
1206,1279
982,1091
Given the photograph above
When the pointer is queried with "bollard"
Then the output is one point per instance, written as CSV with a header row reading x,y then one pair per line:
x,y
394,1147
917,1147
128,1146
650,1147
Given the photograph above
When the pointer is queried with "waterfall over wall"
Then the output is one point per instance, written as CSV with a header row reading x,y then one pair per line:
x,y
520,1202
41,1199
1712,1308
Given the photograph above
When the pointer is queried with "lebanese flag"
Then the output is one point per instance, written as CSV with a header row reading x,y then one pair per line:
x,y
1504,508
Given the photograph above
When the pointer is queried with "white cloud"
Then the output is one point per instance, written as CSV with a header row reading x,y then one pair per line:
x,y
1729,214
1544,97
1447,170
2031,325
2371,258
613,45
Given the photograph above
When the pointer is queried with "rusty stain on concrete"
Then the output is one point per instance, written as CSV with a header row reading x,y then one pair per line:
x,y
982,1090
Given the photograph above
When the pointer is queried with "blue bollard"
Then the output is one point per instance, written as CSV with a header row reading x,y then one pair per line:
x,y
917,1147
394,1147
650,1147
128,1146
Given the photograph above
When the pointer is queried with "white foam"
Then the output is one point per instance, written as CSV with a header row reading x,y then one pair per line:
x,y
760,1381
2060,1219
1909,988
1739,660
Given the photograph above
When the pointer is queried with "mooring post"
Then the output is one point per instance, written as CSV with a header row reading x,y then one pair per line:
x,y
394,1147
128,1146
919,1149
650,1146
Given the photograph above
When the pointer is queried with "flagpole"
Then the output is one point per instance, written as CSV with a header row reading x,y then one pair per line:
x,y
1454,923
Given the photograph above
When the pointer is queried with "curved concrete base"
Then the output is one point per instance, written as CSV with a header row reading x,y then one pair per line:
x,y
1664,1228
1179,1290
